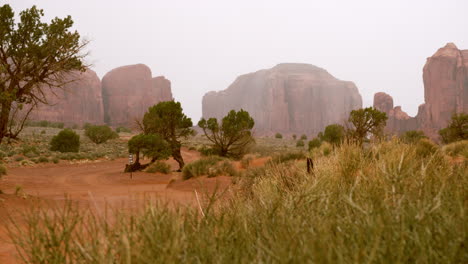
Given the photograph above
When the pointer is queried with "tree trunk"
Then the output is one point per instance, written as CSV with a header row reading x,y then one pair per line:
x,y
178,157
4,116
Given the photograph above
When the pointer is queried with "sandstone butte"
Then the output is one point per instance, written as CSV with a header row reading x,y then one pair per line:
x,y
78,102
128,91
124,94
288,98
445,77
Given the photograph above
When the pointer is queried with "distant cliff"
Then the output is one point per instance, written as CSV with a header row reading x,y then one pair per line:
x,y
445,76
124,94
288,98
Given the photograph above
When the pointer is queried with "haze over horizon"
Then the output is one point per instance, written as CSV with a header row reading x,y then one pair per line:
x,y
204,45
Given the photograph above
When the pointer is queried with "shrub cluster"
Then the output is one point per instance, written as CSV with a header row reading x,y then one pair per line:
x,y
45,123
211,166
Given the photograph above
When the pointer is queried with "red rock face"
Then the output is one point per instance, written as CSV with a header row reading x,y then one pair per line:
x,y
129,91
445,78
77,103
289,98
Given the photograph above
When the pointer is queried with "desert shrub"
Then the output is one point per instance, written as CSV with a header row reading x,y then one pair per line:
x,y
294,136
100,134
65,141
224,167
285,157
42,159
412,136
303,137
245,161
159,166
314,143
278,135
3,170
425,148
29,151
199,167
459,148
300,143
206,151
19,158
55,160
123,130
456,130
43,132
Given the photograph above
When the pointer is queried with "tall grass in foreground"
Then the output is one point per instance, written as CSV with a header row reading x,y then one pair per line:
x,y
384,204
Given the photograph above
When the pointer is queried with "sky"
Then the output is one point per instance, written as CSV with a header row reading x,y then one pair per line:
x,y
203,45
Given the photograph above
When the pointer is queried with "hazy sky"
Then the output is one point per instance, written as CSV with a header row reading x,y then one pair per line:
x,y
203,45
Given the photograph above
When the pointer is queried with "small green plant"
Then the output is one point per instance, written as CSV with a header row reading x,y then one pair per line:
x,y
100,134
278,135
159,166
314,143
55,160
43,132
42,159
303,137
300,143
66,141
294,136
19,158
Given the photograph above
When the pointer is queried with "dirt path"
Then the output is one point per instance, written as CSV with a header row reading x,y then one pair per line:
x,y
102,183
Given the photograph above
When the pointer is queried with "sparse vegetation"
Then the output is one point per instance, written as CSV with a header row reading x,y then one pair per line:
x,y
100,134
412,136
66,141
300,143
381,204
3,170
159,166
457,149
314,143
200,167
123,130
278,135
457,129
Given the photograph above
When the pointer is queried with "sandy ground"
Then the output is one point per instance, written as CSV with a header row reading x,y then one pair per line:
x,y
100,183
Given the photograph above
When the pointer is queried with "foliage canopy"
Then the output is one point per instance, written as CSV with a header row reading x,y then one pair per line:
x,y
231,137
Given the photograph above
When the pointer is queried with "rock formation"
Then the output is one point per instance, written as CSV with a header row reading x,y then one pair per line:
x,y
445,76
128,91
288,98
78,102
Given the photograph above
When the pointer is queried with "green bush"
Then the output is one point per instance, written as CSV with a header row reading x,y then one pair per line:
x,y
65,141
199,167
123,130
294,136
303,137
19,158
425,148
100,134
159,166
278,135
300,143
314,143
